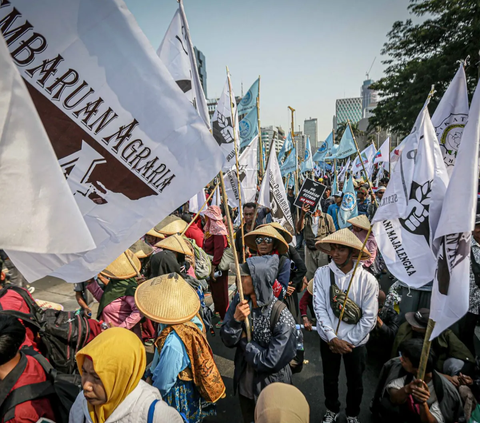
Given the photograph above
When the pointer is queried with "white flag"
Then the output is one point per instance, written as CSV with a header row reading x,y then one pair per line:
x,y
345,169
451,116
217,198
273,195
231,187
367,155
408,214
39,213
222,126
178,55
384,153
197,201
450,294
248,166
132,150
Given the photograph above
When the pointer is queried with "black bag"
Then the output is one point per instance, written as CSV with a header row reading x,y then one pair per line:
x,y
353,313
61,389
296,364
63,334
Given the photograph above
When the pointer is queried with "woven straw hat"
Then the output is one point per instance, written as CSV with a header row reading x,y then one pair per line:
x,y
343,237
266,230
121,268
141,249
175,243
287,236
167,299
171,225
310,286
153,232
360,222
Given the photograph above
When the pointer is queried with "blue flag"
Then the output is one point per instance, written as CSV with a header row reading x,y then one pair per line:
x,y
286,147
334,185
346,146
307,164
249,100
348,208
324,149
290,163
248,128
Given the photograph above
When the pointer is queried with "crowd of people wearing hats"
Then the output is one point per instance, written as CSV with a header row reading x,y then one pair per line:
x,y
153,296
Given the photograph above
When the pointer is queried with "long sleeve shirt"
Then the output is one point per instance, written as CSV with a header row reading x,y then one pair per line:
x,y
364,292
215,245
371,246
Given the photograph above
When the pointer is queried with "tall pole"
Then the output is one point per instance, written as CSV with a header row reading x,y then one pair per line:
x,y
260,146
292,110
425,350
240,211
234,250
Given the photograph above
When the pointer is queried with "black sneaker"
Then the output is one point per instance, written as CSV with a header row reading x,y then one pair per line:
x,y
330,417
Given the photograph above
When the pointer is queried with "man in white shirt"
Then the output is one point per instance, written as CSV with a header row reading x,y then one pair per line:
x,y
347,340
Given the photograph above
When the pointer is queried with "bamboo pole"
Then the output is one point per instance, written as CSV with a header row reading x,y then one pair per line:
x,y
240,211
351,280
260,146
292,110
133,265
235,257
201,208
425,350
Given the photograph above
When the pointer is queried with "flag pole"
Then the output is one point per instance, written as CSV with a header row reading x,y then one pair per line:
x,y
240,211
389,145
260,147
292,110
351,280
425,350
201,208
234,251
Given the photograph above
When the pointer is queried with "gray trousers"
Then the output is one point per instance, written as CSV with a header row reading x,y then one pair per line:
x,y
313,260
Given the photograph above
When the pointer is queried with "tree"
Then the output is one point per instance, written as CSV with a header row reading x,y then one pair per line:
x,y
423,54
343,126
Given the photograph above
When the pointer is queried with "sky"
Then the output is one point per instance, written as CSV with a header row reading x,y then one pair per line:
x,y
308,52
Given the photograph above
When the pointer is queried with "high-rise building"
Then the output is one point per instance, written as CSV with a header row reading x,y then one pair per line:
x,y
273,133
300,141
212,105
369,98
202,69
310,129
348,109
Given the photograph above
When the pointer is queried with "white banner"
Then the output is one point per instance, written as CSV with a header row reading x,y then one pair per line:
x,y
383,154
31,180
197,201
248,166
130,145
231,186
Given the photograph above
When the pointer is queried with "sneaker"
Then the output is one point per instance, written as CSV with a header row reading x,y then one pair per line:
x,y
31,289
352,420
330,417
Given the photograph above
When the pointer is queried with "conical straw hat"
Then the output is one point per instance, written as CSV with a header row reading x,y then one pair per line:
x,y
310,287
342,237
287,236
171,225
153,232
121,268
360,222
266,230
167,299
141,249
175,243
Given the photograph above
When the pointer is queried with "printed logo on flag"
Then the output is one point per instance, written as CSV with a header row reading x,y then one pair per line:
x,y
222,129
455,249
449,134
246,129
348,202
246,99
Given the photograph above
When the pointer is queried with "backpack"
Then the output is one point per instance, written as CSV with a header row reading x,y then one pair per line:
x,y
61,389
203,265
63,333
296,364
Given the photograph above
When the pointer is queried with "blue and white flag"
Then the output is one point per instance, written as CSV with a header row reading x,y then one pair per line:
x,y
248,128
324,150
346,147
286,147
249,100
334,185
348,209
290,163
307,164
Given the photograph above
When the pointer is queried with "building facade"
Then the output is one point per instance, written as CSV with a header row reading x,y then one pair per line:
x,y
369,98
310,129
212,105
348,109
272,133
202,69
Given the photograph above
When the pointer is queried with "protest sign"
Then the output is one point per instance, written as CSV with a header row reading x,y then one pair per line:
x,y
310,193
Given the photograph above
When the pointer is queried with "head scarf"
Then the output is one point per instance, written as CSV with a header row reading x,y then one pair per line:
x,y
214,225
282,403
116,288
119,360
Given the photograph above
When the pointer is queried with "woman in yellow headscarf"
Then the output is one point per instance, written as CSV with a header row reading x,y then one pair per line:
x,y
112,366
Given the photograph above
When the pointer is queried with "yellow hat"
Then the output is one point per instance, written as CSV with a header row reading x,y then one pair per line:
x,y
280,229
360,222
171,225
342,237
141,249
167,299
266,230
121,268
153,232
175,243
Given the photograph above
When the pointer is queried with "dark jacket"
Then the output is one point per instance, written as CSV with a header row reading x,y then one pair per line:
x,y
297,272
268,353
446,345
381,338
448,397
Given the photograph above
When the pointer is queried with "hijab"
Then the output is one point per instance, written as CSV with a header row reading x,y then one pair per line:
x,y
119,360
116,289
214,225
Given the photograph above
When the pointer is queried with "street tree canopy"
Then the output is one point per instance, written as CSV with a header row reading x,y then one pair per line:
x,y
426,53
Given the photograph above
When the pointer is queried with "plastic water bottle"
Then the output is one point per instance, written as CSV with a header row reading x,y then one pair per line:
x,y
218,274
300,346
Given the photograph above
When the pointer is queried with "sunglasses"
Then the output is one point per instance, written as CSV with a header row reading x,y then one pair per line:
x,y
266,239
